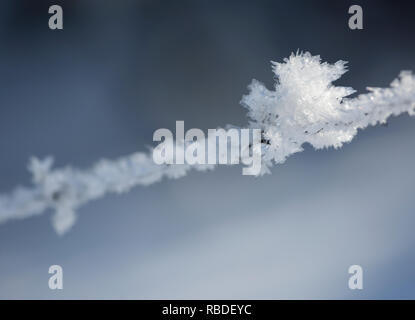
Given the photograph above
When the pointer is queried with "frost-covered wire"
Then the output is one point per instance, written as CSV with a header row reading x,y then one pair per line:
x,y
304,107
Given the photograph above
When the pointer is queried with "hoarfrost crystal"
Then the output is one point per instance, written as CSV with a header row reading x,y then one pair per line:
x,y
304,107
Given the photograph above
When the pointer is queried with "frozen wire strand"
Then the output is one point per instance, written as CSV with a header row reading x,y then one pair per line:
x,y
304,108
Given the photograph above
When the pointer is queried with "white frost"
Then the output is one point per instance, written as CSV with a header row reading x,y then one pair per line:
x,y
304,107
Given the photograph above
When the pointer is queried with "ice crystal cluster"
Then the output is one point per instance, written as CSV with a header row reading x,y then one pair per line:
x,y
303,107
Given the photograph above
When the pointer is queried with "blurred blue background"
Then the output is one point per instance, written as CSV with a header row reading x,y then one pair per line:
x,y
120,70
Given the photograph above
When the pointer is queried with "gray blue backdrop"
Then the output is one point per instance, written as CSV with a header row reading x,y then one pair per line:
x,y
120,70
